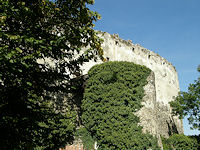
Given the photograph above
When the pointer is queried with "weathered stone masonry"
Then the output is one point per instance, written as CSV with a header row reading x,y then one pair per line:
x,y
162,86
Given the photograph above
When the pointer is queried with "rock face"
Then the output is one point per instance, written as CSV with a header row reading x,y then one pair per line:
x,y
162,87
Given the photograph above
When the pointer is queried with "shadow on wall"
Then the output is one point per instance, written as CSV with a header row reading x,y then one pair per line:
x,y
172,129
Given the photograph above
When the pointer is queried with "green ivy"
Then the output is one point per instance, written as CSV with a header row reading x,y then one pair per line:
x,y
113,94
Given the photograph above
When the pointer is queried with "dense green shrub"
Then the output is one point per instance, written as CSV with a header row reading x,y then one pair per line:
x,y
83,134
166,144
114,92
196,138
180,142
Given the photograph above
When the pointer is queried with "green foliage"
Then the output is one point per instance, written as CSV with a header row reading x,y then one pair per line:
x,y
188,104
180,142
166,145
32,31
196,138
114,92
85,136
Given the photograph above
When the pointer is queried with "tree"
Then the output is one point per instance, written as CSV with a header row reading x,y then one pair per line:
x,y
188,104
33,34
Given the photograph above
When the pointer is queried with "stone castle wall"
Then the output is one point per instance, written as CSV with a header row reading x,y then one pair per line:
x,y
156,115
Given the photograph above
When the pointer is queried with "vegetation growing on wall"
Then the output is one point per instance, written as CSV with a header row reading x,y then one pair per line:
x,y
114,92
85,136
180,142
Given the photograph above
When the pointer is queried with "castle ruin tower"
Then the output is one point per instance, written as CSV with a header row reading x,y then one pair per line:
x,y
163,86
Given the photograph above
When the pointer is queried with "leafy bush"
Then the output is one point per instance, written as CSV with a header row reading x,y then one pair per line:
x,y
114,92
180,142
166,144
196,138
83,134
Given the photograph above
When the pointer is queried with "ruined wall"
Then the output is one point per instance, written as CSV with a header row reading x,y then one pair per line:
x,y
156,115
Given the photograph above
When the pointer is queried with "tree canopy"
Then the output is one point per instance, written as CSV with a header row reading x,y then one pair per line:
x,y
34,33
188,104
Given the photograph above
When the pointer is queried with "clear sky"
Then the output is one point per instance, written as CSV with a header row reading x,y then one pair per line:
x,y
170,28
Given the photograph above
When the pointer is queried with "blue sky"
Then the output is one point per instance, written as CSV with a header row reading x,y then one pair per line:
x,y
170,28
